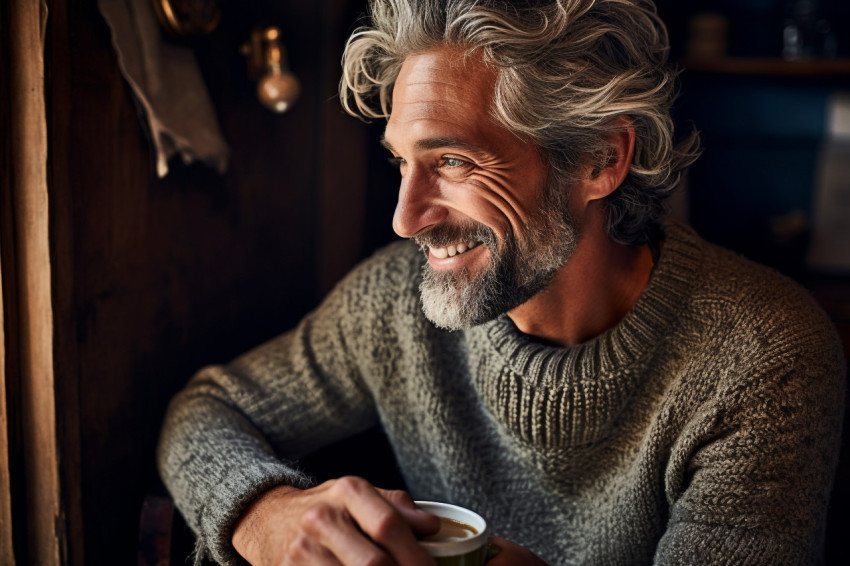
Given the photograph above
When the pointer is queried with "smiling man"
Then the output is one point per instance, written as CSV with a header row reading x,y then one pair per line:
x,y
543,348
468,181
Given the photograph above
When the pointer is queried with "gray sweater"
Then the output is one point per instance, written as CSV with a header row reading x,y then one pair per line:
x,y
702,429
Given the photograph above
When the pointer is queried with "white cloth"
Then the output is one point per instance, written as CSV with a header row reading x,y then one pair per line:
x,y
168,85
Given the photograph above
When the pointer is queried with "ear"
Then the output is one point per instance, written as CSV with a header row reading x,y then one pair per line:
x,y
602,179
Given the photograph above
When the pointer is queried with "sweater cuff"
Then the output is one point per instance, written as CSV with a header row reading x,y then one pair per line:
x,y
230,498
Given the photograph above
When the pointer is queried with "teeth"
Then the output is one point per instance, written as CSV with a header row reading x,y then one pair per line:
x,y
452,250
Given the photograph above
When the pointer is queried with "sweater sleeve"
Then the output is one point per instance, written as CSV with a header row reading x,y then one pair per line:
x,y
237,430
749,480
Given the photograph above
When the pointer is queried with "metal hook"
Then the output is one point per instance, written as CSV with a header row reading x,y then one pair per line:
x,y
188,19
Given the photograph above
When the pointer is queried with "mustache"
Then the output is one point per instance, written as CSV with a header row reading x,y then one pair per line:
x,y
442,235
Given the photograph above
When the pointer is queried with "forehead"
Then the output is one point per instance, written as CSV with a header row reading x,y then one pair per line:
x,y
441,88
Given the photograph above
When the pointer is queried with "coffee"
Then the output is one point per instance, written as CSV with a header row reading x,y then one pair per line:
x,y
462,538
452,530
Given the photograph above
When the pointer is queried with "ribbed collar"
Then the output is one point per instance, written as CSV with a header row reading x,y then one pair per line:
x,y
596,377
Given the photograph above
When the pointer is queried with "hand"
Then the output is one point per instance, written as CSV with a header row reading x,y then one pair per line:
x,y
511,554
344,521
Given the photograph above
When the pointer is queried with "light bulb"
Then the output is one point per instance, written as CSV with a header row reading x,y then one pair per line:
x,y
278,90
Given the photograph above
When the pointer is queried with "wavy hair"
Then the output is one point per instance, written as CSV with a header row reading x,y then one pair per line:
x,y
566,69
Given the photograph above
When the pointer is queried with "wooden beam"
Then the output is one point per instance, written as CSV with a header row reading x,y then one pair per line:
x,y
28,152
7,555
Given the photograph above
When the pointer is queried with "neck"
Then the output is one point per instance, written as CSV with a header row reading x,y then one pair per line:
x,y
590,293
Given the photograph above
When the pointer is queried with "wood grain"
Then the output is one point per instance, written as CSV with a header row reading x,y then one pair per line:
x,y
7,307
29,199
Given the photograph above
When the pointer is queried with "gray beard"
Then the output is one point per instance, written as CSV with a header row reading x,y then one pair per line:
x,y
520,267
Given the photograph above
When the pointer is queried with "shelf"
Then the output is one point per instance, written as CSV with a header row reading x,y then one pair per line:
x,y
774,67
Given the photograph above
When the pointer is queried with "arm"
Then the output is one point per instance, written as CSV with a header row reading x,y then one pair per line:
x,y
752,478
235,430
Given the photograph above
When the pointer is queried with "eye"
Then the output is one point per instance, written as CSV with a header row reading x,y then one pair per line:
x,y
454,162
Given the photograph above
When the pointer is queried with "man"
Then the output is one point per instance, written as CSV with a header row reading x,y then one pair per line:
x,y
602,388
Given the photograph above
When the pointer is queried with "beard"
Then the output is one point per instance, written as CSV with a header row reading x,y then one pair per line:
x,y
521,265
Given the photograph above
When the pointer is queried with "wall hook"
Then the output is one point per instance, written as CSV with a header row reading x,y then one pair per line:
x,y
188,18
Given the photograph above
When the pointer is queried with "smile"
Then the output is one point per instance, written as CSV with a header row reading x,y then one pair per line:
x,y
452,250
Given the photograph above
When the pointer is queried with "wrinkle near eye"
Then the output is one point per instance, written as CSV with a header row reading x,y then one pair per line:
x,y
504,204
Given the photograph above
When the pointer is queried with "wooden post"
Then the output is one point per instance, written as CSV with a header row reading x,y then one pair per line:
x,y
27,152
7,555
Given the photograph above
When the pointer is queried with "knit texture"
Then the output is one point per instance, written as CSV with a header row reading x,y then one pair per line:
x,y
702,429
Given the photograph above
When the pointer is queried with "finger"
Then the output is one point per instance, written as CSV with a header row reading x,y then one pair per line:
x,y
510,554
421,521
492,551
336,531
382,522
495,546
304,551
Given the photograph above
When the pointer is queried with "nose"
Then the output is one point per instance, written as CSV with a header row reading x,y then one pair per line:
x,y
418,205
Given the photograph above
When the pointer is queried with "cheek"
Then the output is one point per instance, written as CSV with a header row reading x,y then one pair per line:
x,y
493,202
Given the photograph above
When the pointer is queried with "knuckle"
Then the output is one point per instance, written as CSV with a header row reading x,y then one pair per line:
x,y
398,496
349,484
386,526
299,549
317,518
395,494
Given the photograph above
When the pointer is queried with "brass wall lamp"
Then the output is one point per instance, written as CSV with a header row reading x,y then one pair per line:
x,y
277,87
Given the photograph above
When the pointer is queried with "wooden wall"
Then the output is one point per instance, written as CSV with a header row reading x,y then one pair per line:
x,y
155,278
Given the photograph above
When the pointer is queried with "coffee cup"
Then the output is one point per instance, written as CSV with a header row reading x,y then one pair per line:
x,y
462,538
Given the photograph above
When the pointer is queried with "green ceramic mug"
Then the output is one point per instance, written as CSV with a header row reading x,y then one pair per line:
x,y
461,541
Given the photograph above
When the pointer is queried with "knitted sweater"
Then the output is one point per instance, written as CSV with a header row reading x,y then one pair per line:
x,y
702,429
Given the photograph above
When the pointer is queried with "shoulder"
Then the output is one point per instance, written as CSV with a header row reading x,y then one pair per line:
x,y
727,289
399,259
385,285
760,301
761,327
390,271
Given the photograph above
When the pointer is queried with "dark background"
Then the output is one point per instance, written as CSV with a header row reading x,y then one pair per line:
x,y
154,278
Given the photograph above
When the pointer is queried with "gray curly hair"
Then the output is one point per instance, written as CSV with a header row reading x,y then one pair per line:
x,y
566,69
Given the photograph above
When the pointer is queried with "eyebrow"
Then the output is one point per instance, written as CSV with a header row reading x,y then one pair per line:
x,y
437,143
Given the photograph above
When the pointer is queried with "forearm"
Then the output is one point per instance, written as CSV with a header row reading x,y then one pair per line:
x,y
214,464
249,530
231,433
225,434
703,544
